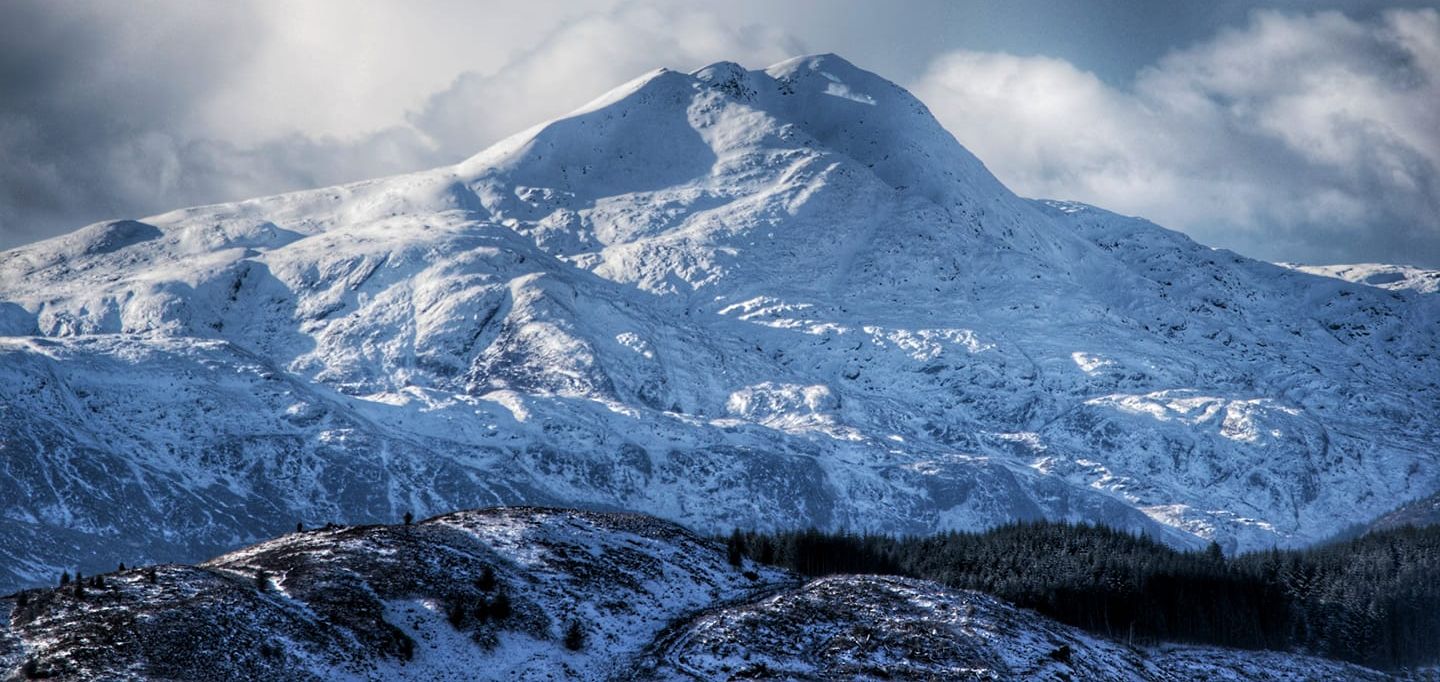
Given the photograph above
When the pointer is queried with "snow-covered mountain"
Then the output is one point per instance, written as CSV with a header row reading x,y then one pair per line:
x,y
1392,277
731,298
586,596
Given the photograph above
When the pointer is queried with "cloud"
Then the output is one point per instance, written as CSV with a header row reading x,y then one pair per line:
x,y
1299,137
79,108
111,110
584,59
1295,137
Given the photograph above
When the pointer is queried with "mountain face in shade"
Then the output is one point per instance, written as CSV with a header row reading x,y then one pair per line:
x,y
545,594
764,299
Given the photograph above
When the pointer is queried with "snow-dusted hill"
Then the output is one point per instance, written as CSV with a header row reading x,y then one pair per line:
x,y
1392,277
387,602
731,298
587,596
884,628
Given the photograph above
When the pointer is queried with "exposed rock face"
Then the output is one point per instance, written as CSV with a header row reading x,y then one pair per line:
x,y
733,298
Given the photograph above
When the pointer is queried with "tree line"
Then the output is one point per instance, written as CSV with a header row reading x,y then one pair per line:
x,y
1373,600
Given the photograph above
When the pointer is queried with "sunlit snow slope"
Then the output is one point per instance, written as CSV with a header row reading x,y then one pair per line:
x,y
730,298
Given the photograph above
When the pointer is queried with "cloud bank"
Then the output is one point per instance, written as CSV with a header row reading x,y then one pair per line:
x,y
1313,138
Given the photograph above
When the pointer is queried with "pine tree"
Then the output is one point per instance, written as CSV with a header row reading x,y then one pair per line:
x,y
500,608
456,615
735,548
486,581
65,578
409,518
574,636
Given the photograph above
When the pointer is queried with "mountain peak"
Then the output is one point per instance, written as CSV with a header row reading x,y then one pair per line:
x,y
792,279
652,122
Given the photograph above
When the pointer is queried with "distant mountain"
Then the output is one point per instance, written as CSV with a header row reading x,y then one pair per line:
x,y
1422,512
543,594
764,299
1392,277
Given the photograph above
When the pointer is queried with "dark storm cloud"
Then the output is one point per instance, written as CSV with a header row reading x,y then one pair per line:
x,y
97,117
87,95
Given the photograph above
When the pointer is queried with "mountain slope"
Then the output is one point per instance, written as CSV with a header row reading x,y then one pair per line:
x,y
380,602
732,298
648,599
880,628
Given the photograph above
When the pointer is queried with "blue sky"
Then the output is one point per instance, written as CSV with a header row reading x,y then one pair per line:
x,y
1286,131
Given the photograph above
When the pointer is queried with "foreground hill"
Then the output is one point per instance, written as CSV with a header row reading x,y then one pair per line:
x,y
543,594
766,299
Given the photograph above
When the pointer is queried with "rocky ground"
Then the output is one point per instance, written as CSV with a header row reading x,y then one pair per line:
x,y
527,593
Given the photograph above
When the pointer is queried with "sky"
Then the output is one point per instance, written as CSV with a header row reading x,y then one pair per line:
x,y
1288,131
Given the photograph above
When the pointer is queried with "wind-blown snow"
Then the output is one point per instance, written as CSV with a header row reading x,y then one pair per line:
x,y
732,298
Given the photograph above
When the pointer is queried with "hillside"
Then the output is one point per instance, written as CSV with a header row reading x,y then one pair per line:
x,y
767,299
648,599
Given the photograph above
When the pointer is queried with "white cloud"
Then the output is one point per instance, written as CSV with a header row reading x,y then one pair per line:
x,y
584,59
347,68
1293,137
109,112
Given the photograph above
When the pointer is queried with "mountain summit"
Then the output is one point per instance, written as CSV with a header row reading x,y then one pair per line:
x,y
730,298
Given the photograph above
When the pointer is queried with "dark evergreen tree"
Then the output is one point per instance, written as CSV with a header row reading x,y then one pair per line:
x,y
574,636
409,518
486,581
500,608
455,613
735,548
1061,654
65,578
